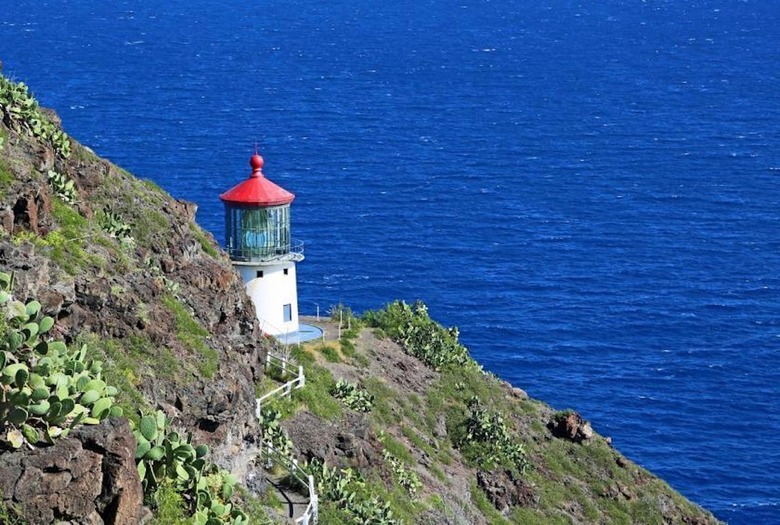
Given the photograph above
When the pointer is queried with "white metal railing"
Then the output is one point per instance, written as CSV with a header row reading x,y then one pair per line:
x,y
287,388
310,515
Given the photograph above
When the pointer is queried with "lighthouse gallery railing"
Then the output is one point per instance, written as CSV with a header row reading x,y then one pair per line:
x,y
293,251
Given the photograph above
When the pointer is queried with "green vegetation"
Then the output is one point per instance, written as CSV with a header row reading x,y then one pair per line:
x,y
150,225
24,114
192,335
402,475
6,177
10,514
205,243
63,187
177,479
486,508
65,246
352,396
346,498
485,439
273,432
419,429
112,224
47,388
413,329
316,394
330,353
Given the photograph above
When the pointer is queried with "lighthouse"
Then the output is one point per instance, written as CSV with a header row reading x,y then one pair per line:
x,y
257,237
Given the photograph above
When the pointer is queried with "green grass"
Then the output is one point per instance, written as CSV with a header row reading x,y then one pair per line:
x,y
192,335
329,353
330,514
10,514
82,154
316,394
121,359
286,406
347,347
397,448
116,253
152,186
205,243
414,437
6,177
534,517
361,360
385,411
150,225
486,508
66,245
169,506
256,509
303,357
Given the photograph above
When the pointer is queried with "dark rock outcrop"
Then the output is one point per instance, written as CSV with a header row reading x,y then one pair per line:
x,y
504,490
570,426
351,443
121,294
169,292
89,477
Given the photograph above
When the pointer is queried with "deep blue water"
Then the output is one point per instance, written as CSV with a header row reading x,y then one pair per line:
x,y
590,192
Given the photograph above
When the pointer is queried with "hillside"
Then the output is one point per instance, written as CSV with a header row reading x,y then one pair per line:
x,y
415,433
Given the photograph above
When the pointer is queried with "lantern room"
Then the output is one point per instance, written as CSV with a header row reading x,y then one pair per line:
x,y
257,238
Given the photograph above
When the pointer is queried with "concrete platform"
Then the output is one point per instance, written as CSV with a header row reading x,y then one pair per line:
x,y
306,332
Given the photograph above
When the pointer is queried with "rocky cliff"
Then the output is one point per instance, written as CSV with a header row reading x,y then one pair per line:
x,y
123,269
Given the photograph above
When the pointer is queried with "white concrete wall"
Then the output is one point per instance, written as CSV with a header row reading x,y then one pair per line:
x,y
270,293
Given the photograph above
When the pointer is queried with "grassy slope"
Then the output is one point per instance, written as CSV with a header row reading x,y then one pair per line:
x,y
418,415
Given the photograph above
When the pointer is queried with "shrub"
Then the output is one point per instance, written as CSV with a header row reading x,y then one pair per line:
x,y
344,316
412,328
111,223
347,490
353,396
169,460
273,432
486,438
404,476
22,112
47,388
62,187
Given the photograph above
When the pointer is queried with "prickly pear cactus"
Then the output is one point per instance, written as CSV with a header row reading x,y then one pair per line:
x,y
166,456
46,389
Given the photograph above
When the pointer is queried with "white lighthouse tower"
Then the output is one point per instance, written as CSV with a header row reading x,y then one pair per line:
x,y
257,234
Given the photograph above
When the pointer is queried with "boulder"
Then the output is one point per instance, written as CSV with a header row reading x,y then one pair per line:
x,y
571,426
90,477
504,490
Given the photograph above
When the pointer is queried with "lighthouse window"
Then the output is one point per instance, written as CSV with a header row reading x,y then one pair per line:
x,y
258,233
287,313
259,274
286,271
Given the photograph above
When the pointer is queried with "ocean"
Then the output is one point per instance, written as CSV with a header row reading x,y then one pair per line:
x,y
588,190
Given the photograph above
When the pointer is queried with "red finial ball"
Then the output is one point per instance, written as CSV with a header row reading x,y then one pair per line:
x,y
256,162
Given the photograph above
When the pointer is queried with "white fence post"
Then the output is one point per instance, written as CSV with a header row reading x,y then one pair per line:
x,y
311,514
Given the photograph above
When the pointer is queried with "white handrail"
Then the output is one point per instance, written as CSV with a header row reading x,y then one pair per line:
x,y
298,382
310,515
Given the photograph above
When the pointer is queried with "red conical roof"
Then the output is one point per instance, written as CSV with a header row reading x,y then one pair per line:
x,y
257,190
